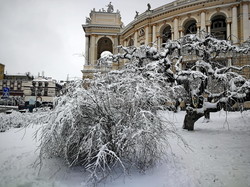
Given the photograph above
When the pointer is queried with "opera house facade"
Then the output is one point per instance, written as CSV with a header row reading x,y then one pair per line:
x,y
224,19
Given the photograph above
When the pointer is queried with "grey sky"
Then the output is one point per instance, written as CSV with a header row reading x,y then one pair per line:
x,y
46,35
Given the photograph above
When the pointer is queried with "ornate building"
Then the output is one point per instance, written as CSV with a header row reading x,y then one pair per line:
x,y
102,33
225,19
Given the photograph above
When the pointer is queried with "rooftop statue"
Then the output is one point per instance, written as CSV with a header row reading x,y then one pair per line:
x,y
88,20
110,8
136,14
149,7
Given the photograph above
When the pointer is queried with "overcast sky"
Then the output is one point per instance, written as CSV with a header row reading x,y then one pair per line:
x,y
46,35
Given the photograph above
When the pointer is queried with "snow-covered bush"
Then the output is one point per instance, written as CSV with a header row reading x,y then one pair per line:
x,y
15,119
113,122
18,120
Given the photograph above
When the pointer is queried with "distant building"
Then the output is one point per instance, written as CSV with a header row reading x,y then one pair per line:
x,y
225,19
24,87
41,89
15,83
1,71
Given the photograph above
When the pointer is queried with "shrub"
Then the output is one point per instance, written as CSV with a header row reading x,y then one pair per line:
x,y
114,121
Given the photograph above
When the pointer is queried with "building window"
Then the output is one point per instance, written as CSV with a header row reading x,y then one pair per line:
x,y
166,34
19,85
190,27
45,93
39,91
131,42
219,27
12,83
33,91
5,83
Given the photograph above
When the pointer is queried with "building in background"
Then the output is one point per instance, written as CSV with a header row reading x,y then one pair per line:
x,y
1,71
225,19
25,89
41,90
15,84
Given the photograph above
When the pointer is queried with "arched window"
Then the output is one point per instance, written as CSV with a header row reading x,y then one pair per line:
x,y
166,34
104,44
190,27
131,42
219,27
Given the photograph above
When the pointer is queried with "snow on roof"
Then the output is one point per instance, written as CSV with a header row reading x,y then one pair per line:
x,y
40,79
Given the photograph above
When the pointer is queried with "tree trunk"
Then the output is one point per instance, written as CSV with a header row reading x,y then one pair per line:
x,y
190,118
207,115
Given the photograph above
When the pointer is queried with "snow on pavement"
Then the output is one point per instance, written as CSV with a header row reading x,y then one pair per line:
x,y
217,157
220,153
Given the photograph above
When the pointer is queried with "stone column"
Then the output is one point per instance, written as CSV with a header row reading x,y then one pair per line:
x,y
176,30
172,35
234,27
115,39
154,34
158,42
203,21
245,22
181,33
209,29
86,50
135,39
146,35
198,29
92,50
125,43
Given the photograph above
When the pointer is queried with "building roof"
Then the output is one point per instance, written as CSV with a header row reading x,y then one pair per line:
x,y
40,79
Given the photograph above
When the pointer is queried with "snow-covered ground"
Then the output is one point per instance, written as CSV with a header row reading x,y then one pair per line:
x,y
219,155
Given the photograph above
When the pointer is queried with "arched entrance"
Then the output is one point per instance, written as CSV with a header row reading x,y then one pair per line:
x,y
166,34
219,27
104,44
190,27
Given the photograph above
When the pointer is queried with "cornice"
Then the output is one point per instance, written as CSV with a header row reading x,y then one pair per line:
x,y
101,33
171,7
100,26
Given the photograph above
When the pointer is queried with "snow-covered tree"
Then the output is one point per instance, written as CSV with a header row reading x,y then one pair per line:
x,y
198,77
232,87
112,120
